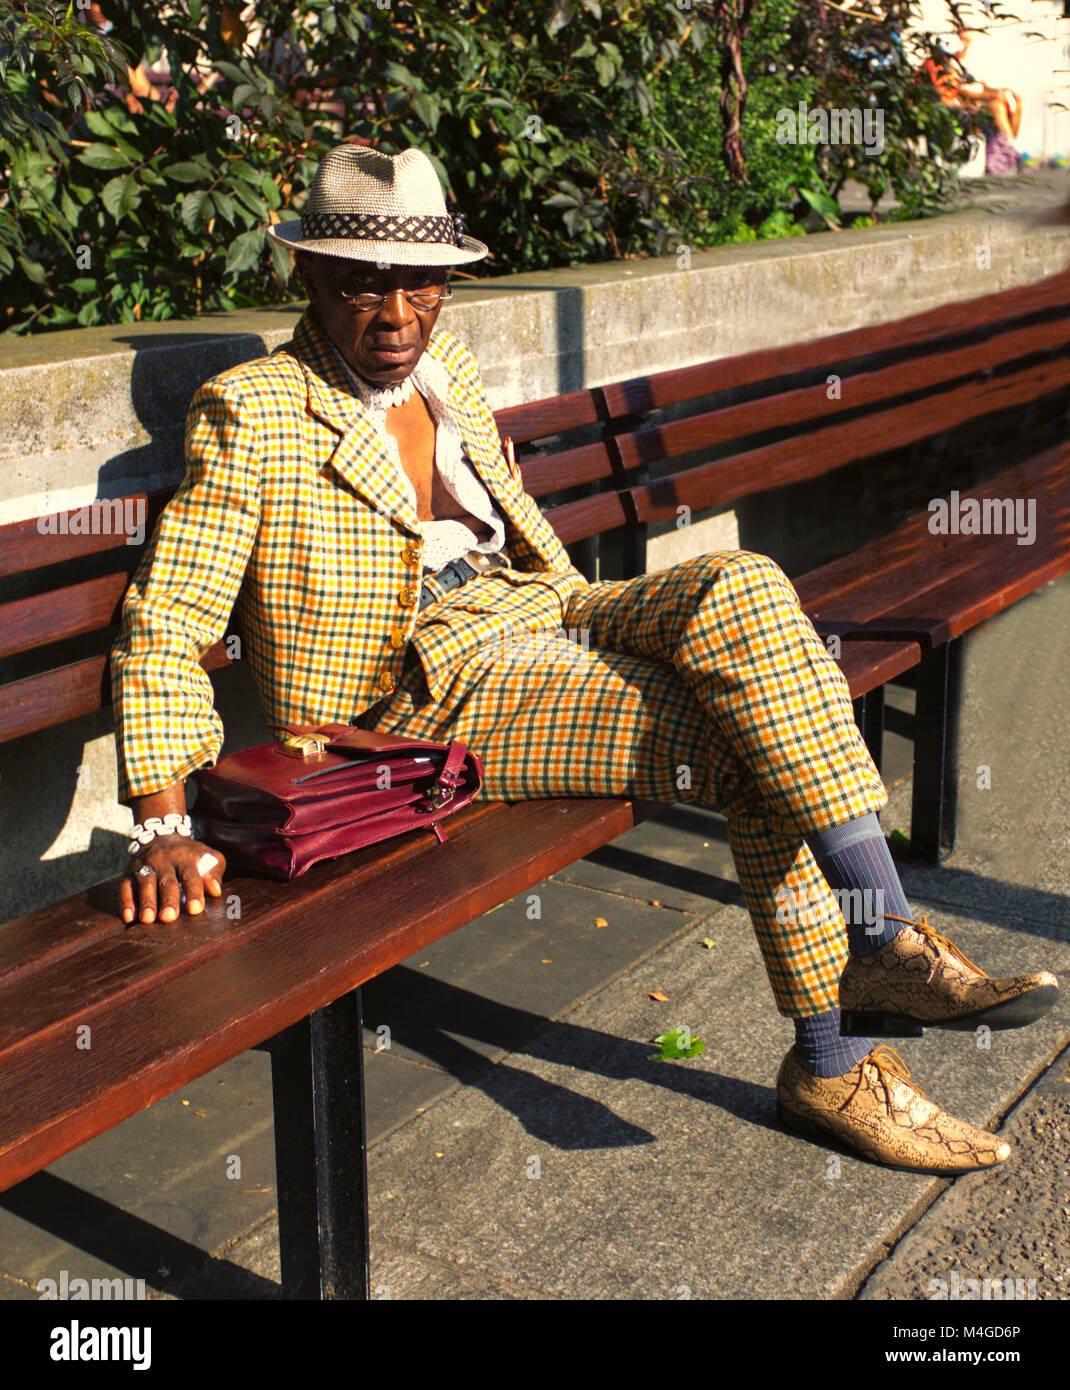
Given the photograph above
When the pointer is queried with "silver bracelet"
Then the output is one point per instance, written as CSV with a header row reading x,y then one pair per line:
x,y
172,824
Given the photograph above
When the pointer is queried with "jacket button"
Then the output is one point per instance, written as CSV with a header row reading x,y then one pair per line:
x,y
410,554
407,598
397,638
387,682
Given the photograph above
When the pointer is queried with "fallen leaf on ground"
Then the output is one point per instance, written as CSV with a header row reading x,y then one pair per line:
x,y
709,943
661,998
600,922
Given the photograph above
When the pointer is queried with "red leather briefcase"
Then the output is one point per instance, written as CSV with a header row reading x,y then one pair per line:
x,y
326,791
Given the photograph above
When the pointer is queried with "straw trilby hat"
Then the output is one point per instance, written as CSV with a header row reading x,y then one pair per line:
x,y
370,206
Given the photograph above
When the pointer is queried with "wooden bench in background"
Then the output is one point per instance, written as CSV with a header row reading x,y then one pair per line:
x,y
608,463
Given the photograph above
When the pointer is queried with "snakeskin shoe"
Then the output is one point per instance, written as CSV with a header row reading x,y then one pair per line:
x,y
920,980
878,1111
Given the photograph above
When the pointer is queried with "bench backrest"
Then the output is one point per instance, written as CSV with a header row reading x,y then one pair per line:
x,y
895,384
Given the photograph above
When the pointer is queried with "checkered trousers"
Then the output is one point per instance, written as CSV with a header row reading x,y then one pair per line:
x,y
703,683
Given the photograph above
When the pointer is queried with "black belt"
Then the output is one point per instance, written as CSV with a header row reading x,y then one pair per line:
x,y
459,572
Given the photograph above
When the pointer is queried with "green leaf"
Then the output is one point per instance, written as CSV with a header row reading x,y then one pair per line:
x,y
185,172
672,1045
400,76
33,270
192,210
281,261
224,206
98,124
427,108
248,199
120,195
821,203
606,69
104,157
270,189
245,250
230,70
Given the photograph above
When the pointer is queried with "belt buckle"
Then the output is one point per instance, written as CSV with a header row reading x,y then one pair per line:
x,y
482,561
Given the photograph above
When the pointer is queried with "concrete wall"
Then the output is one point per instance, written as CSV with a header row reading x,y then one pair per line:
x,y
98,412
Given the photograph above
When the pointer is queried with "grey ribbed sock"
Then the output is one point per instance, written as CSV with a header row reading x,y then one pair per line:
x,y
822,1051
859,868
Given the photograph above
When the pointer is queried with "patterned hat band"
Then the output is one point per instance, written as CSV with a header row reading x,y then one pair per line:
x,y
364,226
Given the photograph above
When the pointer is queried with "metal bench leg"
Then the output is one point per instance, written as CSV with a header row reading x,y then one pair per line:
x,y
321,1171
932,819
869,716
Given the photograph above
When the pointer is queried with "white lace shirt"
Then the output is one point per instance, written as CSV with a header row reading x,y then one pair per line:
x,y
443,540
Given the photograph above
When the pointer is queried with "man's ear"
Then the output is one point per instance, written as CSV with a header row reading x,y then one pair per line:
x,y
307,275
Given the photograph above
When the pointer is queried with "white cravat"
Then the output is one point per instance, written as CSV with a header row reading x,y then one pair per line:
x,y
443,540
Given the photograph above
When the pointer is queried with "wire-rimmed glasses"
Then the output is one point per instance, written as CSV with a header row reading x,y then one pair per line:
x,y
420,298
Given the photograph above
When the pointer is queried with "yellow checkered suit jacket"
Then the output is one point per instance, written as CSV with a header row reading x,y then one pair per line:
x,y
291,514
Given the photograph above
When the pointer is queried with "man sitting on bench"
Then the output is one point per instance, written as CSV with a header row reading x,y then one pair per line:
x,y
350,491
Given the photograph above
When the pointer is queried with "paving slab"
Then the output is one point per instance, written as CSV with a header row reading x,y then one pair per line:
x,y
581,1169
1007,1229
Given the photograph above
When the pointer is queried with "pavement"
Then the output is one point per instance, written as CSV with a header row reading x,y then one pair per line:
x,y
528,1143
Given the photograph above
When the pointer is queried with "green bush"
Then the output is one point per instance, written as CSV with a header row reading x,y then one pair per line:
x,y
567,132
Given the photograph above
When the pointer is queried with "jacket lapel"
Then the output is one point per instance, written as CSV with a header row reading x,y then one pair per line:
x,y
484,447
359,456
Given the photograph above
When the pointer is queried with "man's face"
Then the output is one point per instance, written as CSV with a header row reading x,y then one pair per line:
x,y
382,344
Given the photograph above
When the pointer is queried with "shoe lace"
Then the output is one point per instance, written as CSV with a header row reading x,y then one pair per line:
x,y
889,1067
934,939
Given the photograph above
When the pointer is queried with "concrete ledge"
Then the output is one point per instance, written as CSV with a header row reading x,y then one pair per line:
x,y
94,412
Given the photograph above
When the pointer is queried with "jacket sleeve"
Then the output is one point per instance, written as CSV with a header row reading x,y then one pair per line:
x,y
180,600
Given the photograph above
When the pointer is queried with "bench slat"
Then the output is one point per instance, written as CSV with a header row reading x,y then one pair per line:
x,y
24,547
54,1096
906,548
962,602
908,565
70,612
590,516
42,938
586,464
868,664
539,419
678,437
795,460
747,369
68,692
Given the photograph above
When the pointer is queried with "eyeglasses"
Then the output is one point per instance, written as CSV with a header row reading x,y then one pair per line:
x,y
365,301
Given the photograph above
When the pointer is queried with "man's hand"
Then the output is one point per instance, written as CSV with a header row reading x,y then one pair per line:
x,y
157,877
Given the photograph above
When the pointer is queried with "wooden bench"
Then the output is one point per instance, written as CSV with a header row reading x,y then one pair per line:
x,y
165,1007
